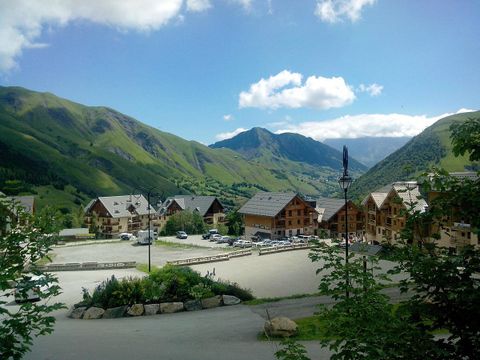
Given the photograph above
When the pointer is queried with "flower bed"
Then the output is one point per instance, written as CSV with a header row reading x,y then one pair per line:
x,y
169,289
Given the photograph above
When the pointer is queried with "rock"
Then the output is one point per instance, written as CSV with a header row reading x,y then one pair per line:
x,y
172,307
281,326
136,310
77,312
230,300
212,302
93,313
151,309
193,305
116,312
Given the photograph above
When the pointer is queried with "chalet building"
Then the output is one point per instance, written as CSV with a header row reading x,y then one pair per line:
x,y
276,215
113,215
455,231
386,212
13,203
331,218
209,207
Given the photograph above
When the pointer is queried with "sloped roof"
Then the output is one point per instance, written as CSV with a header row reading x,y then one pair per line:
x,y
26,202
409,193
377,197
73,232
267,203
119,206
329,207
191,202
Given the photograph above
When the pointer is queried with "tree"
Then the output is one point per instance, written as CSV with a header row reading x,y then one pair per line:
x,y
234,223
29,240
466,138
189,221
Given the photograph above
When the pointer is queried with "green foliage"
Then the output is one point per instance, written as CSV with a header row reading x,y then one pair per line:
x,y
466,138
189,221
166,284
29,240
291,350
234,223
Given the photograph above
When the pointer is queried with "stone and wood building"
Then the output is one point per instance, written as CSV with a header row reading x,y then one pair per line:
x,y
111,215
276,215
331,218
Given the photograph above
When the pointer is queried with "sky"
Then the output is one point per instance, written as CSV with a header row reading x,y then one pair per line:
x,y
206,70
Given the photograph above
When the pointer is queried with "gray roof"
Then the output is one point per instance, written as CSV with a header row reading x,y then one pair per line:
x,y
118,206
409,193
328,207
191,202
267,203
26,202
377,197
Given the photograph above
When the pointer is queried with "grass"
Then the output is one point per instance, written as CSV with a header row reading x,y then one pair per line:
x,y
46,259
144,268
309,328
260,301
186,246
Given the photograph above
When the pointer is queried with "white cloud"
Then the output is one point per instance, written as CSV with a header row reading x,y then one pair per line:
x,y
22,21
333,11
372,89
198,5
247,4
287,90
228,117
363,125
228,135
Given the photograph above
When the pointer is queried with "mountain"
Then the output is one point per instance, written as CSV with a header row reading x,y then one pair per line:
x,y
313,161
258,143
369,150
68,153
432,147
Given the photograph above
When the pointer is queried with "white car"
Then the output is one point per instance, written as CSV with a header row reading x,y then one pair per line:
x,y
242,243
215,237
30,287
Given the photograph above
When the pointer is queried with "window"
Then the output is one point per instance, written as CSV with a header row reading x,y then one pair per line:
x,y
289,212
299,212
298,221
469,235
289,222
379,231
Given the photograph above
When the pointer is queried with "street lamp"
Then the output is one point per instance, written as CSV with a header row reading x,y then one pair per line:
x,y
345,181
150,193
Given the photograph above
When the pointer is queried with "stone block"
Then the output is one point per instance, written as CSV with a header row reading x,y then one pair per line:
x,y
280,326
152,309
193,305
76,312
93,313
230,300
116,312
136,310
171,307
212,302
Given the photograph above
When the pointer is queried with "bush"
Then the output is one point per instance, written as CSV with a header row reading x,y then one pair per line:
x,y
169,283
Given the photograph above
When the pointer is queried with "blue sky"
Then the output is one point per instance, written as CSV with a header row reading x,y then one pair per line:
x,y
206,69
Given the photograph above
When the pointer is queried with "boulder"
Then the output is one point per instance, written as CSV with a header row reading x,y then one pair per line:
x,y
93,313
152,309
136,310
230,300
171,307
281,326
212,302
116,312
76,312
193,305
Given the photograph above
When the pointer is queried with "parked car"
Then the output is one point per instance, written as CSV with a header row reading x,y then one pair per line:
x,y
223,240
242,243
215,237
29,288
182,235
145,236
209,234
126,236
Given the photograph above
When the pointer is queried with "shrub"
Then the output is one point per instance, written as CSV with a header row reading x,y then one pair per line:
x,y
201,291
225,287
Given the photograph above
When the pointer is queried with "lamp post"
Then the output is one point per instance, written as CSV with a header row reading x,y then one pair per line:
x,y
150,193
345,181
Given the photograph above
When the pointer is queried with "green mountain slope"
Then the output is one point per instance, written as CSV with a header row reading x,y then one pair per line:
x,y
432,147
68,153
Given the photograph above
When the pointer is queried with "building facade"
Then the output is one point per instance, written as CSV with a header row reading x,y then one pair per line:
x,y
109,216
277,215
331,218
